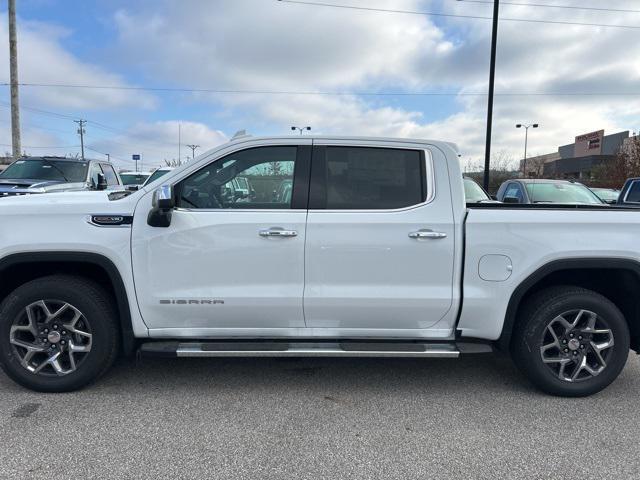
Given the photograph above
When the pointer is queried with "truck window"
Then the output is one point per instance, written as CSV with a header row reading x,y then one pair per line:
x,y
363,178
221,183
634,193
110,174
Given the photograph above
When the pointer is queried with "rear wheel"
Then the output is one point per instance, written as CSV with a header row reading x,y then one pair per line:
x,y
57,333
571,341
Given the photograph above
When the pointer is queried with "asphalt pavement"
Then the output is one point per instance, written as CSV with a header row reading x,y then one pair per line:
x,y
474,417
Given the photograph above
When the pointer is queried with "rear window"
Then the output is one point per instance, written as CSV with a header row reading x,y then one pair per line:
x,y
133,178
362,178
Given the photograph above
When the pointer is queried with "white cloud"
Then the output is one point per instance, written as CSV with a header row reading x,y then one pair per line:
x,y
156,142
43,59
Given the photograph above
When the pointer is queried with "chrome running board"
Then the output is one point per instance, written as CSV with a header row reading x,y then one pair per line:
x,y
301,349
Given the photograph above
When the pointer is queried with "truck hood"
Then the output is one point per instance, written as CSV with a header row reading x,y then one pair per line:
x,y
87,201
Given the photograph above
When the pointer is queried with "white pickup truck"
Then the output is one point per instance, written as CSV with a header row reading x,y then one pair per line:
x,y
346,247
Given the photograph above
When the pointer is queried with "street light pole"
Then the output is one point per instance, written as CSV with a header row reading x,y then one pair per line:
x,y
526,140
193,150
301,129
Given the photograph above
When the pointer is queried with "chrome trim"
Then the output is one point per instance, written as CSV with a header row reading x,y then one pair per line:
x,y
277,232
426,233
317,350
90,220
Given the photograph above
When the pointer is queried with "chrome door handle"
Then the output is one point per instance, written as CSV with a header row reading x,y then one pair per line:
x,y
277,232
427,234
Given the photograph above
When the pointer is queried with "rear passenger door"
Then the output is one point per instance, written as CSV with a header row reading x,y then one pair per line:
x,y
380,242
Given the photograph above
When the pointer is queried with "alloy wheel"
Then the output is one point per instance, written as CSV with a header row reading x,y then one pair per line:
x,y
51,337
576,345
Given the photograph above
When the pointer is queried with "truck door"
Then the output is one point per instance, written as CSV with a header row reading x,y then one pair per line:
x,y
228,260
380,239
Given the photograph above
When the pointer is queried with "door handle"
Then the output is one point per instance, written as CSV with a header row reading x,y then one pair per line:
x,y
427,234
277,232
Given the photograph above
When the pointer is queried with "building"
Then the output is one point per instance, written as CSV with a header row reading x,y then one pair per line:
x,y
579,159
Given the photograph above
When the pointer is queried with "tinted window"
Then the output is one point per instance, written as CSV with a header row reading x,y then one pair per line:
x,y
634,193
362,178
45,169
110,175
221,184
156,175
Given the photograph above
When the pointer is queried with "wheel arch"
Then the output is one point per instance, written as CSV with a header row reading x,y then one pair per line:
x,y
19,268
618,279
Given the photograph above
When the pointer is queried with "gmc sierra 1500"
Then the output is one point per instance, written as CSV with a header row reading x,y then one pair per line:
x,y
346,247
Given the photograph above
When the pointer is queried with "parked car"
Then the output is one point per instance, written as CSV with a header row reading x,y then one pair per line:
x,y
607,195
630,193
157,174
375,254
546,191
474,193
31,175
134,180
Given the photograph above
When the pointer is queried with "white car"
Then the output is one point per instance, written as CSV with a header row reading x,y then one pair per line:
x,y
374,253
160,172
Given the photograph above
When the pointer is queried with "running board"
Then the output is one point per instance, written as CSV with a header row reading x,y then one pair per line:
x,y
304,349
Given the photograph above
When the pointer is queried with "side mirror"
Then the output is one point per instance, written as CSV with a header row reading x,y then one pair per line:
x,y
511,200
102,182
163,203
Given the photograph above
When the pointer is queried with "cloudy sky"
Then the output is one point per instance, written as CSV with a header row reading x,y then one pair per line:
x,y
218,66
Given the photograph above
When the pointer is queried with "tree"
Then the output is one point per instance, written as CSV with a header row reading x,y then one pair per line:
x,y
626,164
173,162
502,168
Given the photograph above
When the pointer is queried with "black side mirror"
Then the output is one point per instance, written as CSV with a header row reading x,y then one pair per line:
x,y
162,204
102,182
511,200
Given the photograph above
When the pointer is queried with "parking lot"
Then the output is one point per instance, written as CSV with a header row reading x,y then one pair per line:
x,y
319,418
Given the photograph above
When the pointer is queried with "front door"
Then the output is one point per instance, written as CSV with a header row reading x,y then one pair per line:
x,y
233,255
380,241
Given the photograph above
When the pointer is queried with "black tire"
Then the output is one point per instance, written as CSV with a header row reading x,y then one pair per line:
x,y
99,313
532,326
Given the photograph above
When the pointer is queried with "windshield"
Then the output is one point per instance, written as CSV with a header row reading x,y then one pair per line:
x,y
473,192
133,178
154,176
606,194
45,169
540,192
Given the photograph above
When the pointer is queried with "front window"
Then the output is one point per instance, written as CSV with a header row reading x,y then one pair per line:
x,y
45,169
225,182
132,178
571,193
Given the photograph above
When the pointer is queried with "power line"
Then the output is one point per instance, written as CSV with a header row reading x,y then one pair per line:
x,y
41,146
548,5
299,92
452,15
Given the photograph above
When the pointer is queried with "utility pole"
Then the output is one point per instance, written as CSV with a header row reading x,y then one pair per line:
x,y
179,140
193,150
81,132
492,78
13,67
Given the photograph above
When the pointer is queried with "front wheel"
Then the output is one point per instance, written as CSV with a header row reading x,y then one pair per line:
x,y
571,341
57,333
